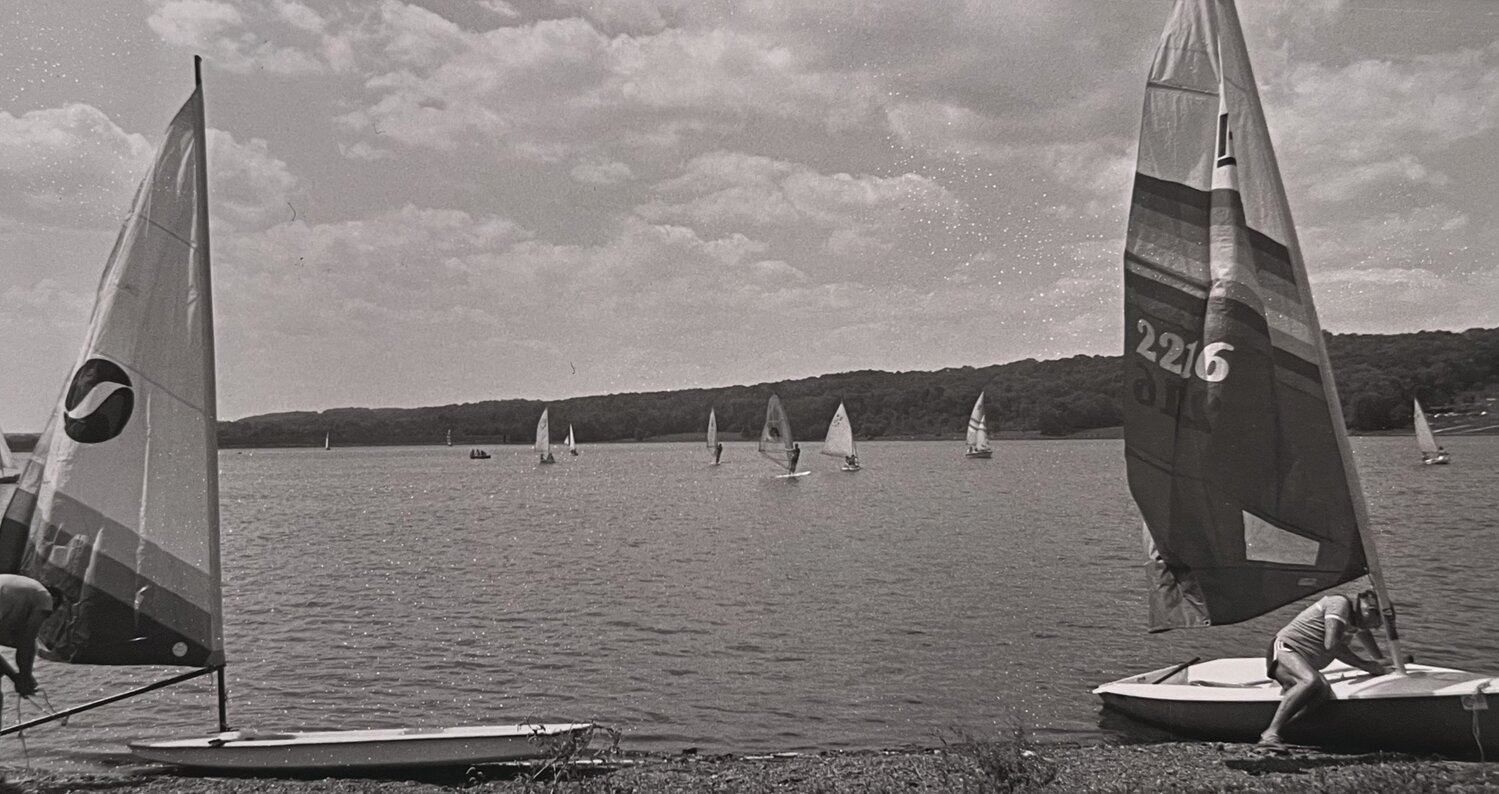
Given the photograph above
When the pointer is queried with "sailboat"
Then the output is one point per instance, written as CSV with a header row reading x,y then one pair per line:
x,y
1235,446
543,444
978,432
714,448
572,445
839,442
1431,452
450,437
776,443
9,472
117,511
327,441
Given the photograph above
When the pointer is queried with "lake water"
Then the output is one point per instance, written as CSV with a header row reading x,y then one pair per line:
x,y
719,608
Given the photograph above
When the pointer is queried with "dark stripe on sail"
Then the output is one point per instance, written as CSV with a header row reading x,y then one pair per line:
x,y
1268,255
1173,200
1300,366
1136,285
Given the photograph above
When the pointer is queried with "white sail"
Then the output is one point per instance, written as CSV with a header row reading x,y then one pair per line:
x,y
7,461
839,442
572,445
118,508
327,441
978,427
543,435
450,438
776,442
1424,438
712,430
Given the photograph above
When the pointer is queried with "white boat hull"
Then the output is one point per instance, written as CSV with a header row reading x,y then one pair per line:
x,y
1232,700
982,453
348,751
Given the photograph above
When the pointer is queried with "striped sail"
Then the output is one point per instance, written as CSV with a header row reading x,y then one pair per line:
x,y
117,510
543,435
1424,439
978,427
775,436
1234,440
839,442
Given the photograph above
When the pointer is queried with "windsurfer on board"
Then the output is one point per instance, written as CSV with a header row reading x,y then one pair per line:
x,y
1309,643
24,604
796,455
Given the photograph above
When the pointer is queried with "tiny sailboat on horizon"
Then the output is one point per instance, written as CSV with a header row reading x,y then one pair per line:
x,y
978,432
714,447
1432,453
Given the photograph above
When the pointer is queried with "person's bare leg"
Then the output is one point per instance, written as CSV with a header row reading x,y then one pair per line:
x,y
1301,689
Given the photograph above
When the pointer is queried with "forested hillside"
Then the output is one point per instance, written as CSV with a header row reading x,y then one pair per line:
x,y
1377,375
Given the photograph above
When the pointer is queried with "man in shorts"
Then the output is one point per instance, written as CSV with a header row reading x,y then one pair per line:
x,y
1310,642
24,604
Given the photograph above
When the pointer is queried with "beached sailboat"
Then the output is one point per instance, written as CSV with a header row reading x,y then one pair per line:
x,y
9,471
978,432
776,442
1431,452
839,442
118,509
1234,440
714,448
543,445
572,444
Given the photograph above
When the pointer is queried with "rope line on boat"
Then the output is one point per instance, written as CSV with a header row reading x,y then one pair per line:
x,y
45,707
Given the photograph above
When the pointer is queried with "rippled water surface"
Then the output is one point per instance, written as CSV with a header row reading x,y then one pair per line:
x,y
719,608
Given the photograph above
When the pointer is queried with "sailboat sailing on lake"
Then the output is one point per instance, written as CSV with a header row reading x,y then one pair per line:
x,y
117,511
978,432
572,444
1431,452
776,442
839,442
714,448
1234,440
543,445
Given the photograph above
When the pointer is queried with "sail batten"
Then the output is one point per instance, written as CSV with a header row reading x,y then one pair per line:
x,y
1234,445
117,511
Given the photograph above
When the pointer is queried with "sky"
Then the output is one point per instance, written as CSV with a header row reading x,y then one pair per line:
x,y
447,201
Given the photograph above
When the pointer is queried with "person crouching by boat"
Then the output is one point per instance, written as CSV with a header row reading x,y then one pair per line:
x,y
24,604
1310,642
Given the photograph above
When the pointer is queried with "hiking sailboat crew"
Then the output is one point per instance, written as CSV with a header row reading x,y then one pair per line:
x,y
1310,642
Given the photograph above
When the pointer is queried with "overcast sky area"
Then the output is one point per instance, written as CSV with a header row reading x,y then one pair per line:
x,y
423,203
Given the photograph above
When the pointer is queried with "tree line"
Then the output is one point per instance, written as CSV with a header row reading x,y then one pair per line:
x,y
1377,375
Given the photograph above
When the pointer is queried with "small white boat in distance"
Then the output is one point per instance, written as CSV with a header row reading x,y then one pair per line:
x,y
839,442
572,444
714,447
1432,453
347,752
978,432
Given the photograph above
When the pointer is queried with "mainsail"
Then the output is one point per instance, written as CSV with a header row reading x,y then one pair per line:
x,y
117,510
978,427
840,439
1424,439
712,430
543,435
775,436
1234,439
572,445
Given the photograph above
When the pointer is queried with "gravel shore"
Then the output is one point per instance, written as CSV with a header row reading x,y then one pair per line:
x,y
975,767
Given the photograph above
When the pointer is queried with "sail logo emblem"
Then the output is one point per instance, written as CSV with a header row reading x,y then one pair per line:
x,y
99,402
1225,154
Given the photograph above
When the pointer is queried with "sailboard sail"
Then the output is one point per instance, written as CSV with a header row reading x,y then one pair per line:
x,y
118,510
978,431
712,430
1431,451
1234,440
839,442
572,444
327,441
9,472
776,442
543,443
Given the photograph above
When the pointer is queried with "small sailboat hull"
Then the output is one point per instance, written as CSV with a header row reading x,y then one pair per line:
x,y
354,751
980,453
1233,700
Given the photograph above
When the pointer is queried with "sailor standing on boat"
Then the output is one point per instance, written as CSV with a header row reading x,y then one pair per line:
x,y
1309,643
24,604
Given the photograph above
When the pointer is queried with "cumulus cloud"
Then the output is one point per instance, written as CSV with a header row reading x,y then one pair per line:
x,y
70,165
